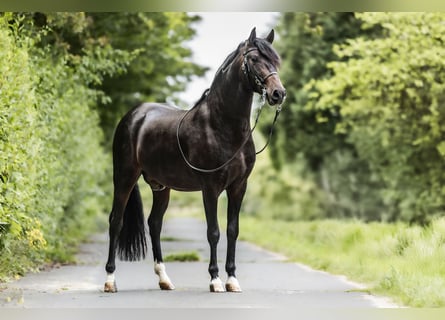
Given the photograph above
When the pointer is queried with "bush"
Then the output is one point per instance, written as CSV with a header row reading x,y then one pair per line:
x,y
52,166
19,149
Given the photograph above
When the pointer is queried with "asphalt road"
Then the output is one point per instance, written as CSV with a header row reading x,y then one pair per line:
x,y
267,280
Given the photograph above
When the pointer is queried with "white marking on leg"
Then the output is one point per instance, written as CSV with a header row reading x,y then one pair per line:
x,y
110,283
232,285
216,285
164,281
111,277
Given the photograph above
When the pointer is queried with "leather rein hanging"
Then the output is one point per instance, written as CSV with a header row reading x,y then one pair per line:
x,y
260,82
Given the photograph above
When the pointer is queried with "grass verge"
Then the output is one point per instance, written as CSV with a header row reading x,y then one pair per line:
x,y
406,263
182,257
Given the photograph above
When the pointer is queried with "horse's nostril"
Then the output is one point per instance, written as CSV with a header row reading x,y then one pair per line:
x,y
278,95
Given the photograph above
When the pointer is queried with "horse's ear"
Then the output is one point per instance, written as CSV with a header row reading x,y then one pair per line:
x,y
252,36
271,36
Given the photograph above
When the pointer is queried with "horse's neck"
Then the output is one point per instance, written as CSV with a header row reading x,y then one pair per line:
x,y
230,97
225,111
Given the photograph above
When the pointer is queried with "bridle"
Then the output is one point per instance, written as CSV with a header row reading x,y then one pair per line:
x,y
261,83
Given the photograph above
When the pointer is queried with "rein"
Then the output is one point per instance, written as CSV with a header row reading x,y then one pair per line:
x,y
259,82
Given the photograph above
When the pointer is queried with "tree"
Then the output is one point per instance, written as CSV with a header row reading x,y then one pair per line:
x,y
307,135
305,44
136,57
161,66
390,94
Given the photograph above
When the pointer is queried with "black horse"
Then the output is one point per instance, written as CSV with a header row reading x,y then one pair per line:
x,y
207,148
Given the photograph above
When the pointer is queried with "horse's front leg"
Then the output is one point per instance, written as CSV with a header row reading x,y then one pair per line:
x,y
210,206
235,195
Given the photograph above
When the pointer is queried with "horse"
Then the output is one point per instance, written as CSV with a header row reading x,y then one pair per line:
x,y
208,148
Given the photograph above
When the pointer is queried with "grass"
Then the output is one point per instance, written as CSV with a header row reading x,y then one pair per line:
x,y
182,257
406,263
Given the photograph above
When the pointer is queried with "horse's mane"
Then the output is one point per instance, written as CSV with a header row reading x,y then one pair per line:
x,y
203,96
228,61
263,46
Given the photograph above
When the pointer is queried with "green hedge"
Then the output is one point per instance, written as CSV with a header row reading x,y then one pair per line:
x,y
52,165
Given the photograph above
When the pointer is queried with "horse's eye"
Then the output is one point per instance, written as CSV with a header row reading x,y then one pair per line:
x,y
254,59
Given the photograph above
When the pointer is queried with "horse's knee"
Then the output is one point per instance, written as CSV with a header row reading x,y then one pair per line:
x,y
232,232
115,223
213,236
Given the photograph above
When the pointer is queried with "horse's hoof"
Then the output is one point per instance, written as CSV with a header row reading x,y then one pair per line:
x,y
164,281
232,285
110,287
165,285
216,285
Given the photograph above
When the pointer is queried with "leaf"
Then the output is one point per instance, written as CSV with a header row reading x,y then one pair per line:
x,y
441,148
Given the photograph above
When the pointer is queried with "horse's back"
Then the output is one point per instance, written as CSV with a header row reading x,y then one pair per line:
x,y
153,110
147,120
147,115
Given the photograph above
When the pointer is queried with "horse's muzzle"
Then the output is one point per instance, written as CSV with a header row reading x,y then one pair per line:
x,y
277,97
275,91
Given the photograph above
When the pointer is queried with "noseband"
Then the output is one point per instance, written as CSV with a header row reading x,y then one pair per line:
x,y
259,81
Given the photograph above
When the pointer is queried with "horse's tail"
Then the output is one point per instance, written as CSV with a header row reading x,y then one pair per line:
x,y
132,244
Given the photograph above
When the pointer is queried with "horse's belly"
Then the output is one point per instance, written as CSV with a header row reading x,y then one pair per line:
x,y
167,170
174,183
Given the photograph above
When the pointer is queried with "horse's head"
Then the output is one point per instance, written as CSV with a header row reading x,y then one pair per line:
x,y
260,64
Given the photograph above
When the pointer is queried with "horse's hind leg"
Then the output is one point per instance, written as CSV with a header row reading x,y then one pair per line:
x,y
125,175
160,203
123,187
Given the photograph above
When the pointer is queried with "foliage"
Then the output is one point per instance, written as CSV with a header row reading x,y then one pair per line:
x,y
52,166
285,194
161,66
18,150
389,94
341,183
153,62
305,45
364,117
405,263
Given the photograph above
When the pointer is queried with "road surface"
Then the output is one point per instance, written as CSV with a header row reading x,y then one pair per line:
x,y
267,280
